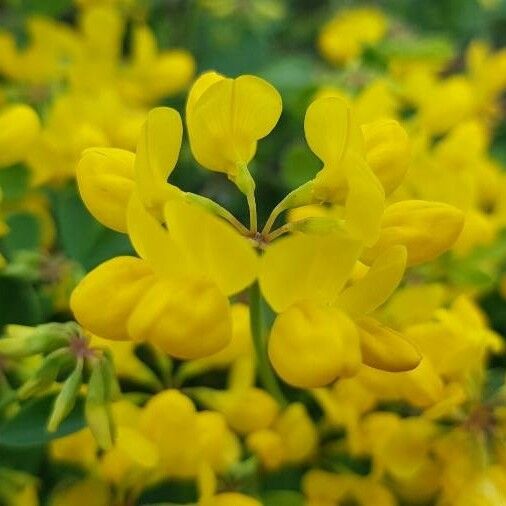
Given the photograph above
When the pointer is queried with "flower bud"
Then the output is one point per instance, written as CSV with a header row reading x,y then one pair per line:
x,y
298,433
106,180
97,408
66,399
426,229
25,341
387,152
47,373
311,345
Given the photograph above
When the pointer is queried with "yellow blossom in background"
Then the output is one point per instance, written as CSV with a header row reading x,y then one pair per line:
x,y
345,36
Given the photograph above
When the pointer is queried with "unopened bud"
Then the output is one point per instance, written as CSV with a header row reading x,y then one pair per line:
x,y
47,373
426,229
66,399
97,407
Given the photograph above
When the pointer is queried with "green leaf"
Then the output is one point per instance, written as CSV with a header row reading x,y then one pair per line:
x,y
28,427
45,7
19,302
82,237
282,498
24,232
14,182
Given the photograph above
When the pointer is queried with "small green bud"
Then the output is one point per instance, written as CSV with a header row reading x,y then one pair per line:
x,y
47,373
113,390
97,408
44,339
66,399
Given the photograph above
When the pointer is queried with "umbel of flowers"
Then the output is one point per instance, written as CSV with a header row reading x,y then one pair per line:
x,y
324,276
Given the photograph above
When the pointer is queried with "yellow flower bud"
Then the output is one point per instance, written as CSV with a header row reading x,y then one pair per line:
x,y
169,421
219,446
268,446
19,126
298,433
426,229
252,410
106,181
387,152
312,345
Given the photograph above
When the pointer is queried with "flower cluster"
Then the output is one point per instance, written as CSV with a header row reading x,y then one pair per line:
x,y
330,347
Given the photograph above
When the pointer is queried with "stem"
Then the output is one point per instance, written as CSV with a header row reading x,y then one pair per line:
x,y
258,331
287,227
214,207
252,205
272,218
301,196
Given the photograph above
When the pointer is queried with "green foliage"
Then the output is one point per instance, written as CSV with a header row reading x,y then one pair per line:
x,y
28,427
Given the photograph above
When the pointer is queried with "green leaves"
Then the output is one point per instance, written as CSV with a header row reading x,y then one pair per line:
x,y
282,498
28,426
82,238
19,302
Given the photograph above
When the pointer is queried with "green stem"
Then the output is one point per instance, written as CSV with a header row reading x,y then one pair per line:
x,y
258,332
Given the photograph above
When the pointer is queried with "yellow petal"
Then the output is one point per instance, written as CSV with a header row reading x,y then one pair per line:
x,y
106,181
377,285
19,127
312,267
115,287
157,154
186,318
311,346
152,242
138,448
365,200
388,152
213,248
384,348
327,128
204,81
229,118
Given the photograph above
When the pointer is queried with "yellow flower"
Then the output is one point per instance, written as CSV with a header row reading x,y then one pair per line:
x,y
346,178
19,127
411,223
176,294
322,488
321,326
187,439
291,439
345,36
152,74
107,177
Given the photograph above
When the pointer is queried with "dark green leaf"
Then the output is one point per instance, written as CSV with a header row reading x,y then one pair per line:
x,y
19,302
28,426
282,498
14,182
